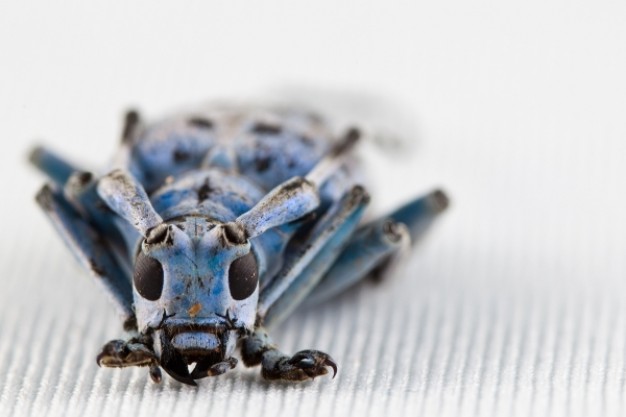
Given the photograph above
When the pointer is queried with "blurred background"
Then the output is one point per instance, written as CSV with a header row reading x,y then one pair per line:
x,y
513,306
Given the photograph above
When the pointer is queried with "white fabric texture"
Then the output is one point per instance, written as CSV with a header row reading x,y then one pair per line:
x,y
513,306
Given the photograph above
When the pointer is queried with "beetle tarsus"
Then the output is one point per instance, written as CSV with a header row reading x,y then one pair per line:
x,y
258,348
304,365
120,354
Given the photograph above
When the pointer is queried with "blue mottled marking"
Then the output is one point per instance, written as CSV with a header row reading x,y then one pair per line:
x,y
211,225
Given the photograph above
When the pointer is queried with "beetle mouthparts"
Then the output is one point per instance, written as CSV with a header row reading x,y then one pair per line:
x,y
195,341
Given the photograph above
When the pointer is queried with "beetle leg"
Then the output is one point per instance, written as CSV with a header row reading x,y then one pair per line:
x,y
52,165
81,192
258,348
120,354
375,244
307,261
134,352
419,214
335,158
91,249
132,123
372,245
204,369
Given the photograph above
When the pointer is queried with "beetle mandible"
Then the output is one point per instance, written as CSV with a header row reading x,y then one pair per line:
x,y
211,226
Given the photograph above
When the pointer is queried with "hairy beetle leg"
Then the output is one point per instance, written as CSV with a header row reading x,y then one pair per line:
x,y
120,354
304,365
258,348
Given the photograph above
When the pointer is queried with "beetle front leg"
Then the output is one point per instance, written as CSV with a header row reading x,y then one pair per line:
x,y
134,352
258,348
120,354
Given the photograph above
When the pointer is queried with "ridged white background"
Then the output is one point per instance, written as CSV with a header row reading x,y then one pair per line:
x,y
514,306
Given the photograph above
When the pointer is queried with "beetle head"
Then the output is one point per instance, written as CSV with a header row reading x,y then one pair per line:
x,y
196,290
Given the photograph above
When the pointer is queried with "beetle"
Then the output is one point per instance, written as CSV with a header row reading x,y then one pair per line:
x,y
211,226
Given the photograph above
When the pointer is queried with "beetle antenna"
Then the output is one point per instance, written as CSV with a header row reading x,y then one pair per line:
x,y
127,197
329,164
132,120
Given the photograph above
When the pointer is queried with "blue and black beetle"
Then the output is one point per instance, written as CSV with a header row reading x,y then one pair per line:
x,y
214,225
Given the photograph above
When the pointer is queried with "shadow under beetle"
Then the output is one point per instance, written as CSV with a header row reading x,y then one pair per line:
x,y
212,226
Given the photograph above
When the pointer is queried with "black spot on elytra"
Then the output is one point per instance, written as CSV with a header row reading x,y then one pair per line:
x,y
200,122
180,156
262,163
204,191
262,128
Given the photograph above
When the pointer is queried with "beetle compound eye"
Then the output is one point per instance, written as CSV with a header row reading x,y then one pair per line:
x,y
243,277
148,277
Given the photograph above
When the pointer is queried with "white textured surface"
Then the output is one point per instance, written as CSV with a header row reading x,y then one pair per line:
x,y
514,306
